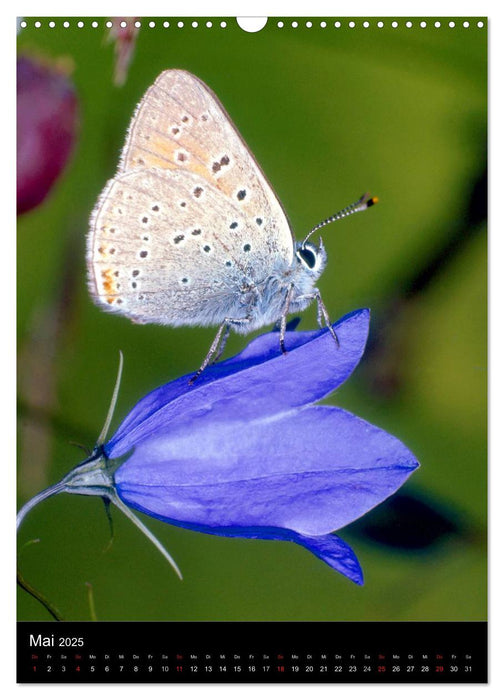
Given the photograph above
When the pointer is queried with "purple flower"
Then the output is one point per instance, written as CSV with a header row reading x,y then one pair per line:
x,y
46,129
243,452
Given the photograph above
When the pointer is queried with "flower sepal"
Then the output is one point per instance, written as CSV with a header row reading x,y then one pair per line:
x,y
95,475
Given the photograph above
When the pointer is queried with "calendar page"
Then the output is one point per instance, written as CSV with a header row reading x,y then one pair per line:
x,y
252,349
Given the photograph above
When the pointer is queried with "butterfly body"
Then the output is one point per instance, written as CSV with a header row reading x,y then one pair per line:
x,y
189,231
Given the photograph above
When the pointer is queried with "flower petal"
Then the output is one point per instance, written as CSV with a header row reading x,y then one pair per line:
x,y
338,554
260,381
312,471
330,548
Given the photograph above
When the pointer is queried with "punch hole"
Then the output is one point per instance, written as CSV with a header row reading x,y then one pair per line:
x,y
252,24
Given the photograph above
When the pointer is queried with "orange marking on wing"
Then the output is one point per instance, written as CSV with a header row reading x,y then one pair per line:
x,y
108,285
159,152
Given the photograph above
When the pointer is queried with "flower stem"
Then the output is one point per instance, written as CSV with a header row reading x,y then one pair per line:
x,y
50,491
51,609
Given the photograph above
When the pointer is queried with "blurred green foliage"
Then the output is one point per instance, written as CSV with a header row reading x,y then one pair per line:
x,y
328,113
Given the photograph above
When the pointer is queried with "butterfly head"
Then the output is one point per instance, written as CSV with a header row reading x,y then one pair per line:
x,y
311,258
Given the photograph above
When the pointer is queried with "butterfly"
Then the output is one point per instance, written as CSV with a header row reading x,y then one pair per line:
x,y
190,233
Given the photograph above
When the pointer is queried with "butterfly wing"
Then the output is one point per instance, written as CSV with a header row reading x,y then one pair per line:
x,y
184,156
180,124
175,252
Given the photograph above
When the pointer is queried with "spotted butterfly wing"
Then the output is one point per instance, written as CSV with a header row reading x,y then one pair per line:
x,y
189,222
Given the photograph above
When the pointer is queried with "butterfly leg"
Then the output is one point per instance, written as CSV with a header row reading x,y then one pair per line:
x,y
222,344
290,326
283,318
211,352
320,321
217,347
321,312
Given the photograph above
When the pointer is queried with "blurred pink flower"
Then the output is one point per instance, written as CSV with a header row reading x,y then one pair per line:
x,y
124,39
47,117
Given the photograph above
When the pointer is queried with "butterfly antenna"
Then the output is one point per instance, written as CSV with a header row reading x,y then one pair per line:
x,y
363,203
113,402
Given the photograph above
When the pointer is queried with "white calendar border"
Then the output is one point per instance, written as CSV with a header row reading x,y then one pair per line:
x,y
7,289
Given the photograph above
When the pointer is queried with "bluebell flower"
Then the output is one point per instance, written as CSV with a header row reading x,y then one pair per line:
x,y
244,452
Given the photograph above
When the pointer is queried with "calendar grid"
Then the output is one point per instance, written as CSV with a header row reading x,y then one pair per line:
x,y
311,652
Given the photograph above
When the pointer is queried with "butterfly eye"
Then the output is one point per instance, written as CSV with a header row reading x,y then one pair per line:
x,y
308,255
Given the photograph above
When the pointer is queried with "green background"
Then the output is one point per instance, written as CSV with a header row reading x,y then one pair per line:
x,y
329,113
